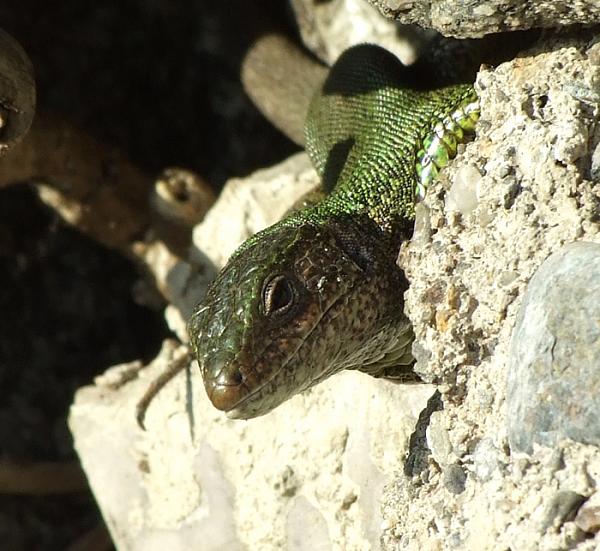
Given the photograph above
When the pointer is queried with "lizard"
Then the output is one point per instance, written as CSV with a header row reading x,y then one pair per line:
x,y
320,290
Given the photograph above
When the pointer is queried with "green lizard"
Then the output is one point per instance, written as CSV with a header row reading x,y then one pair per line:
x,y
320,290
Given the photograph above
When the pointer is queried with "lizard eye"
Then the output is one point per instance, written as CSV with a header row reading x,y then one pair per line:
x,y
278,295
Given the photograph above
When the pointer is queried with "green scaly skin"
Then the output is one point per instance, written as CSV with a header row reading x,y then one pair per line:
x,y
320,290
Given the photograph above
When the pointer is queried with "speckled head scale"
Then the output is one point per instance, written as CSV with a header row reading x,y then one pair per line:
x,y
275,334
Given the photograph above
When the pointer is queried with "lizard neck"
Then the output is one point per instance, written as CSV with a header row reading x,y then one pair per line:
x,y
377,140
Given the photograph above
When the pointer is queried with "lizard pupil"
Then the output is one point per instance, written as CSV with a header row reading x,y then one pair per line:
x,y
278,295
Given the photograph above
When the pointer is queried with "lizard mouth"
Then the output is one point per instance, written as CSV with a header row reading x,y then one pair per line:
x,y
232,397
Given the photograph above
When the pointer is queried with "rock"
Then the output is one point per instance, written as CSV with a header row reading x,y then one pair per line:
x,y
468,273
553,379
473,18
563,506
312,458
462,196
329,28
486,460
588,515
455,478
250,205
438,440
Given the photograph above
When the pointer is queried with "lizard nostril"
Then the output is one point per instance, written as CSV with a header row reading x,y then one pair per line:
x,y
226,390
230,375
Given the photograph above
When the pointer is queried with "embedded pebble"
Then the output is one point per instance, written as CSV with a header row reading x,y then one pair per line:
x,y
438,440
561,508
422,231
455,479
588,515
553,379
595,164
485,460
462,196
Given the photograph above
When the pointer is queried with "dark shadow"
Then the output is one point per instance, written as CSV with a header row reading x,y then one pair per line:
x,y
67,314
189,399
418,451
444,61
336,160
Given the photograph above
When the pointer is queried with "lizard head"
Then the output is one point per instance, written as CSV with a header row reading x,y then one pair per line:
x,y
295,304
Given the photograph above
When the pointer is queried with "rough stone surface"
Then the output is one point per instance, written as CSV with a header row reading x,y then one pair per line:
x,y
313,463
310,474
472,18
553,378
530,168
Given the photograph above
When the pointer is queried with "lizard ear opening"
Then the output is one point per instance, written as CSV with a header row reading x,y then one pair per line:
x,y
356,241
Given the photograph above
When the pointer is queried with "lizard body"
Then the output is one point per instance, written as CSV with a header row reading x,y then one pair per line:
x,y
320,290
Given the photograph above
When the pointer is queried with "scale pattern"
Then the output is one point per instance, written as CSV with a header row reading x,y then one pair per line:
x,y
371,136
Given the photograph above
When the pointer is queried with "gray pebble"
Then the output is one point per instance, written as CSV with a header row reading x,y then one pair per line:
x,y
486,460
454,479
588,518
554,365
562,508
